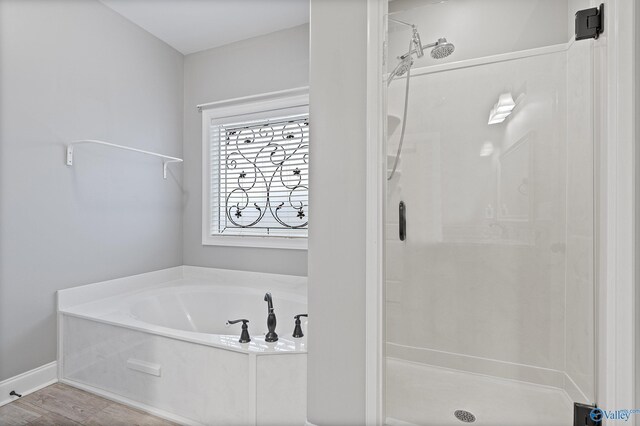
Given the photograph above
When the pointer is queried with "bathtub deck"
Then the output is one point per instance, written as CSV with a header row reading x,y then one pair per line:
x,y
60,404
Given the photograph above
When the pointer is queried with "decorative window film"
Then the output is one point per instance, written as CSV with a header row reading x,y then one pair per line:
x,y
259,171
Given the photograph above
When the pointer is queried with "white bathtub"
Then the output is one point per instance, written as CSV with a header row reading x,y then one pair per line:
x,y
161,342
205,308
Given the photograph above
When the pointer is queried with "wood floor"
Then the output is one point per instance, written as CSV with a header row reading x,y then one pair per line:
x,y
62,405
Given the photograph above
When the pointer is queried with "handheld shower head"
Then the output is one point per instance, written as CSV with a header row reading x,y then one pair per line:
x,y
442,49
400,69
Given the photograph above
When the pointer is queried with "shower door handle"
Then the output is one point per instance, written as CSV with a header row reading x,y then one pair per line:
x,y
402,221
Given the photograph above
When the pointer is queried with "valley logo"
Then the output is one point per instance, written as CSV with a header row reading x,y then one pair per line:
x,y
597,414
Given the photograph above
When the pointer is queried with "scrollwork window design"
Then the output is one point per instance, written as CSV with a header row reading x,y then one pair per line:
x,y
264,177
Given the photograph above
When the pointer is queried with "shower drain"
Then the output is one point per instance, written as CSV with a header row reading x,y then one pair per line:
x,y
464,416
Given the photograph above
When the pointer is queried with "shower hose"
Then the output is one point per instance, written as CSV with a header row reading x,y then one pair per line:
x,y
404,116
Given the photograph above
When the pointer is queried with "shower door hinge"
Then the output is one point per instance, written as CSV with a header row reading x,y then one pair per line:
x,y
589,23
586,415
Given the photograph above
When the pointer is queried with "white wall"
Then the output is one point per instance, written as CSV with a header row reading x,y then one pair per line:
x,y
74,70
336,374
269,63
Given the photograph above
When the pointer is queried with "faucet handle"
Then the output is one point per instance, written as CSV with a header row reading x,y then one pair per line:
x,y
244,335
297,331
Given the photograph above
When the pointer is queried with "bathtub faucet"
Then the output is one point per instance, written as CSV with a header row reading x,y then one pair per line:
x,y
271,336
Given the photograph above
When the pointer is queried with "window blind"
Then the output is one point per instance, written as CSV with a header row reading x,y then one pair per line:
x,y
260,177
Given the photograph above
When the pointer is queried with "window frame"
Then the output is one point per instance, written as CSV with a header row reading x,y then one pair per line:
x,y
262,104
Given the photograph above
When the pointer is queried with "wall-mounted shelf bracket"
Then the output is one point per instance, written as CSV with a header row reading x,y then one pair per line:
x,y
166,159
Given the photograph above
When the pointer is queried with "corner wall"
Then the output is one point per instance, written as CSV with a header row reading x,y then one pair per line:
x,y
338,93
77,70
269,63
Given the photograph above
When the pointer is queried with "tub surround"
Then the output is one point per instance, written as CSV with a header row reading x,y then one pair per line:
x,y
73,297
126,302
113,343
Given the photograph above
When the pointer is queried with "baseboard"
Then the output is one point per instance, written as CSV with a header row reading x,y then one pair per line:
x,y
28,382
131,403
308,423
478,365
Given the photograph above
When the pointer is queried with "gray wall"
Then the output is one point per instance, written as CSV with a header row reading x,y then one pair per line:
x,y
336,372
268,63
71,70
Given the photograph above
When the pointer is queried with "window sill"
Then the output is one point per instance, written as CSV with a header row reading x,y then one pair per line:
x,y
256,242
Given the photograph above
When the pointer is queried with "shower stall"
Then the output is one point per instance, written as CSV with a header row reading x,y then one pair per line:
x,y
490,213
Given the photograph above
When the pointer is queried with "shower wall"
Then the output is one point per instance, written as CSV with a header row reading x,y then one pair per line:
x,y
481,28
496,275
480,275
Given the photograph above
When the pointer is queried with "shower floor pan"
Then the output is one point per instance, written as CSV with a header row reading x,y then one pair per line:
x,y
419,394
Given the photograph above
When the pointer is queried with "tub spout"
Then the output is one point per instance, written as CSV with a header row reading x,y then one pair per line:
x,y
271,336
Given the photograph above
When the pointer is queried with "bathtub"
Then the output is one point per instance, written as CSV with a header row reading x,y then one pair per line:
x,y
160,342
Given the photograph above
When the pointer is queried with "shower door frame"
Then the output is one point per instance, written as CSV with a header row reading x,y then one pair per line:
x,y
614,55
376,177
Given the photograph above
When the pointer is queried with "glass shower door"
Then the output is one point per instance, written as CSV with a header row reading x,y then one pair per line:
x,y
490,296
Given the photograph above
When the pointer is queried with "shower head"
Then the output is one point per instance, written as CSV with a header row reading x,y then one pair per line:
x,y
401,69
442,49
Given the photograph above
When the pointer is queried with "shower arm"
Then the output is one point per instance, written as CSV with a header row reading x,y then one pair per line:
x,y
397,21
411,52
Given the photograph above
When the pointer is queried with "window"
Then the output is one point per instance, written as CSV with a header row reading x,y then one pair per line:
x,y
256,171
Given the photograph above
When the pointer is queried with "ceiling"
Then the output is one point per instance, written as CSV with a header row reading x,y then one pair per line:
x,y
193,25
